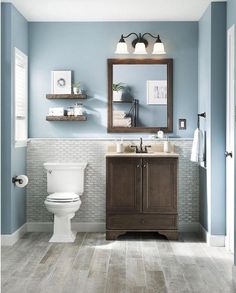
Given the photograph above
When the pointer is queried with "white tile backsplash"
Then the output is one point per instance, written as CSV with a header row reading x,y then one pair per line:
x,y
93,200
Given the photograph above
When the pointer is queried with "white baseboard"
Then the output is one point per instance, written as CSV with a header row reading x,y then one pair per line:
x,y
234,277
11,239
212,240
189,227
77,227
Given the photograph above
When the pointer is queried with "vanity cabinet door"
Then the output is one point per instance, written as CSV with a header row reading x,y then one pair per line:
x,y
124,190
160,185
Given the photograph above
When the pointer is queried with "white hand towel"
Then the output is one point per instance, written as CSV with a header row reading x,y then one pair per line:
x,y
196,146
201,146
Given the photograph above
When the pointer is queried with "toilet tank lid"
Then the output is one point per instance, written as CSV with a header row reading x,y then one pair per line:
x,y
53,166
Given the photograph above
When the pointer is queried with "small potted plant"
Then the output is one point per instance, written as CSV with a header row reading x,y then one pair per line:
x,y
76,88
117,91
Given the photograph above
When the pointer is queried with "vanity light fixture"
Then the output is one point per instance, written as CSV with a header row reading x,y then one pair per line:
x,y
140,44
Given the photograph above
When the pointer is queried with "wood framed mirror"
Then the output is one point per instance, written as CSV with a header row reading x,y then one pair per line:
x,y
140,95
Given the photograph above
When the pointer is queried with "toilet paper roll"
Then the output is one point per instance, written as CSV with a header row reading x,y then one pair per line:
x,y
24,181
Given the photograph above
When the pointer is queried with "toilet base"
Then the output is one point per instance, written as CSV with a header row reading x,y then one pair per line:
x,y
62,228
63,238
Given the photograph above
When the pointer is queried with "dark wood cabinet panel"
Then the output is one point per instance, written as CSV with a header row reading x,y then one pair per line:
x,y
141,195
159,185
124,185
141,221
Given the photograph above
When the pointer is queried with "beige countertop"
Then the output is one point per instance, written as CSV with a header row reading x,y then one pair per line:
x,y
156,150
150,154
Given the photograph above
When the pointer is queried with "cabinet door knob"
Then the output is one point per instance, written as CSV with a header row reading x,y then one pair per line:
x,y
138,166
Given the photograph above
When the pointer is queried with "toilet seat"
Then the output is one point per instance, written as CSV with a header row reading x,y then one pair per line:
x,y
63,197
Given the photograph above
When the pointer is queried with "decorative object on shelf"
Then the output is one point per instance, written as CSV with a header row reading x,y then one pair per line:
x,y
117,91
140,44
61,82
70,111
78,109
58,111
157,92
65,96
77,88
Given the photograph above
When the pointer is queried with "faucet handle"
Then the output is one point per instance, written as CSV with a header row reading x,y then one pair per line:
x,y
146,147
134,146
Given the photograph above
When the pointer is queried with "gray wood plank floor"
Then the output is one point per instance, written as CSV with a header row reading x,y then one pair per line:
x,y
135,263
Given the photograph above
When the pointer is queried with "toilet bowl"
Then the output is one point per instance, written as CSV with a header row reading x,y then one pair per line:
x,y
63,206
66,182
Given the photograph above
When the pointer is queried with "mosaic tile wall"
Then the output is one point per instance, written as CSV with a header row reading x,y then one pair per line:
x,y
93,200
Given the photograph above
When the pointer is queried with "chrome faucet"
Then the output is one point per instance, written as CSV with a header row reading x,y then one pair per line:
x,y
141,149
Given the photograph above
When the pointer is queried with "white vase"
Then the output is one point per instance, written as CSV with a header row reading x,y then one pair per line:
x,y
76,91
117,95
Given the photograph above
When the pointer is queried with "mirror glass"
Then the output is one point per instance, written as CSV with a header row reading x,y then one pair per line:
x,y
140,95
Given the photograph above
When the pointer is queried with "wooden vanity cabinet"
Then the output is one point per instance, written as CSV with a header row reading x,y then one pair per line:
x,y
141,195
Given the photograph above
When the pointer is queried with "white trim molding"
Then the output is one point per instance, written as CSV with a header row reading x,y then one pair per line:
x,y
234,277
212,240
77,227
11,239
100,227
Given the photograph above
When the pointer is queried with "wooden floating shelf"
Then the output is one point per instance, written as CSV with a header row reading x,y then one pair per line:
x,y
69,96
66,118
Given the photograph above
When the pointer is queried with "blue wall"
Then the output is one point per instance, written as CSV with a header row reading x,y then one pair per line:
x,y
231,20
84,48
212,100
14,34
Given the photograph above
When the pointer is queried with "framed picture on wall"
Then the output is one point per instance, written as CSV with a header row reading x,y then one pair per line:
x,y
157,92
61,82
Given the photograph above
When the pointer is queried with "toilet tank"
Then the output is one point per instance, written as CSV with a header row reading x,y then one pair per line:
x,y
65,177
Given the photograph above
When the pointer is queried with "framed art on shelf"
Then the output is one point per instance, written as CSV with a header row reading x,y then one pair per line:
x,y
157,92
61,82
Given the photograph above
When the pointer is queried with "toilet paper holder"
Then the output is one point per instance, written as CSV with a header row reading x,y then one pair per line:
x,y
16,179
20,180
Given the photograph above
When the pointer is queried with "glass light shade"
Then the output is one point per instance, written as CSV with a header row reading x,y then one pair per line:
x,y
140,49
121,48
158,48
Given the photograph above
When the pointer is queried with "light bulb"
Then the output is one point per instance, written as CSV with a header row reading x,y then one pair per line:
x,y
158,48
140,48
121,48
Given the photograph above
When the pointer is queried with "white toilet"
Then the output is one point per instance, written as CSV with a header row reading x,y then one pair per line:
x,y
65,185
